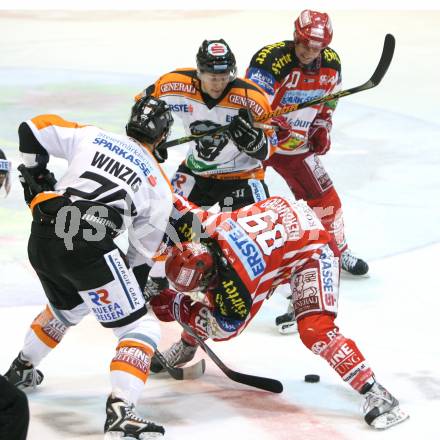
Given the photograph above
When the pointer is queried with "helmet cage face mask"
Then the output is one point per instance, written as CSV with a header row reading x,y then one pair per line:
x,y
150,121
215,56
313,29
190,267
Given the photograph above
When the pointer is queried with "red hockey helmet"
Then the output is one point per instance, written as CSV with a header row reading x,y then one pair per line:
x,y
190,267
313,29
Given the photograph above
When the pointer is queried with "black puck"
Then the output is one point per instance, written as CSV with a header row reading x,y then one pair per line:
x,y
311,378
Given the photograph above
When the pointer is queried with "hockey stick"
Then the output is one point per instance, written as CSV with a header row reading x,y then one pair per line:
x,y
182,373
376,78
263,383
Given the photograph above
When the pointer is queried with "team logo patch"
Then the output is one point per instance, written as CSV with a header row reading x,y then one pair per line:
x,y
217,49
305,292
99,297
185,276
104,309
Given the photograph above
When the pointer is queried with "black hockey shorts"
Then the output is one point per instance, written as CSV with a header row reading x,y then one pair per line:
x,y
229,194
93,272
14,412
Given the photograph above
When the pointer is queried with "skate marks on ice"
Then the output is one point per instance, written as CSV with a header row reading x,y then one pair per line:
x,y
426,382
67,416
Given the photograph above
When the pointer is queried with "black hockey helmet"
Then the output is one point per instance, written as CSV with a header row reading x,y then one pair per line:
x,y
150,120
215,56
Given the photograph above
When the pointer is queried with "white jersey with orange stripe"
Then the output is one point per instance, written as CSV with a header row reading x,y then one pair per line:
x,y
216,154
107,168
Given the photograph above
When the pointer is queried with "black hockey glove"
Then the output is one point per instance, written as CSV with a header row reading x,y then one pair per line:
x,y
160,154
246,137
35,180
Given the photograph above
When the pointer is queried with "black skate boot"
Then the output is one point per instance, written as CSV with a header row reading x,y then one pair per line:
x,y
352,264
381,409
178,354
286,323
23,375
123,423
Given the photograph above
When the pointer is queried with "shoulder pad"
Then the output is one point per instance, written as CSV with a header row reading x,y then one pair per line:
x,y
273,57
330,58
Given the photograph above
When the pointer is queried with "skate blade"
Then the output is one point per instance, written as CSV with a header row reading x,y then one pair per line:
x,y
349,276
288,328
391,418
121,436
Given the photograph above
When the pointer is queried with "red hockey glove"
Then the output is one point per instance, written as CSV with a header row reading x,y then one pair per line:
x,y
283,132
319,136
171,305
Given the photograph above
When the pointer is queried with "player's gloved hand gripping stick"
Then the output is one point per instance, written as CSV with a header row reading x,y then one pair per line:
x,y
376,78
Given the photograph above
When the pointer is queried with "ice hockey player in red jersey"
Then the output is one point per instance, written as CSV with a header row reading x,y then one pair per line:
x,y
112,184
238,261
296,71
292,72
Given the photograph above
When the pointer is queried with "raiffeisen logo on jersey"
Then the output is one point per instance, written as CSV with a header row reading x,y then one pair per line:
x,y
103,308
185,108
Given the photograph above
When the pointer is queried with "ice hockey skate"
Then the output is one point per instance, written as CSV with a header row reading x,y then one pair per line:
x,y
123,423
352,264
23,374
381,409
178,354
286,323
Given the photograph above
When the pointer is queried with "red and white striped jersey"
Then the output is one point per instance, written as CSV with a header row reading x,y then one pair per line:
x,y
263,244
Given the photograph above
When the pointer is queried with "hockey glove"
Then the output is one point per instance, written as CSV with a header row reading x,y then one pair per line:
x,y
160,154
319,136
36,180
171,305
283,132
246,138
287,138
154,287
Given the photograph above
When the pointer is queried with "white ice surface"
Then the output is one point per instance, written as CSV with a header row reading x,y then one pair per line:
x,y
385,164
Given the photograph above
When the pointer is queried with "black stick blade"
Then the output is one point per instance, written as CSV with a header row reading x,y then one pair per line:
x,y
385,59
263,383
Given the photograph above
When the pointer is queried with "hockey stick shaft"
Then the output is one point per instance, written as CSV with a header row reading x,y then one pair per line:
x,y
263,383
376,78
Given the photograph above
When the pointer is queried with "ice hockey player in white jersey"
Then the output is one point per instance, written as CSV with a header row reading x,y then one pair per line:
x,y
224,168
112,183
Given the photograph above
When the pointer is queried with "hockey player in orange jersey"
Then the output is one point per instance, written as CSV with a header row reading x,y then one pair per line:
x,y
225,168
237,261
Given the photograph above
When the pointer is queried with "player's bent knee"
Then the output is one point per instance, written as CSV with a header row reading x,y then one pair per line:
x,y
317,330
145,329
